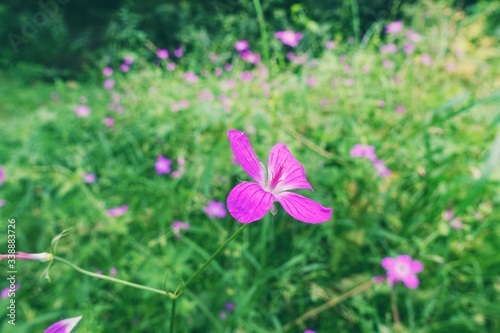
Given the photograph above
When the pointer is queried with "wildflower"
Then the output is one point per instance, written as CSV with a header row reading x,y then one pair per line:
x,y
205,95
7,292
212,56
215,209
387,64
171,66
246,76
2,202
2,175
289,37
54,95
223,315
250,57
82,110
360,150
311,81
382,170
162,54
399,108
178,52
191,77
389,48
228,67
109,121
450,66
349,81
113,271
89,178
117,211
394,27
128,60
402,268
456,223
124,68
378,279
426,59
63,326
177,226
108,84
108,71
44,256
412,36
330,44
408,48
241,45
309,331
230,306
381,104
249,201
218,71
162,165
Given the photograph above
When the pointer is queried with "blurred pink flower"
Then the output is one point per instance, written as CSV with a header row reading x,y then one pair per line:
x,y
402,268
128,60
448,215
349,81
412,36
162,165
178,52
330,44
191,77
311,81
162,54
89,178
361,150
54,95
124,68
63,326
382,170
309,331
241,45
399,108
181,105
218,71
387,64
456,223
113,271
289,37
394,27
6,291
215,209
378,279
109,121
250,201
2,202
108,71
82,110
381,104
250,57
206,95
408,48
117,211
450,66
108,84
228,67
388,48
426,59
2,175
177,226
212,56
246,76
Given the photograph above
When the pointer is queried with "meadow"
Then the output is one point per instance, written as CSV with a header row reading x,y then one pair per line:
x,y
398,133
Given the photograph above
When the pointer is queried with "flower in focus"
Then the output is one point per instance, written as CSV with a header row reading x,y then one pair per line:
x,y
177,226
241,45
289,37
44,256
215,209
82,110
89,178
162,165
162,54
394,27
117,211
402,268
249,201
63,326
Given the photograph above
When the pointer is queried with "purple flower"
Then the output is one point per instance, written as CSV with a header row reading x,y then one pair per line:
x,y
44,256
394,27
408,48
230,306
241,45
382,170
250,57
108,71
215,209
82,110
426,59
309,331
117,211
63,326
162,165
109,121
389,48
162,54
246,76
412,36
249,201
399,108
89,178
402,268
2,175
113,271
124,68
360,150
108,84
177,226
128,60
2,202
289,37
178,52
191,77
6,291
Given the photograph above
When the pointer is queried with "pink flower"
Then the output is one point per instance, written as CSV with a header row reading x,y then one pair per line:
x,y
108,71
399,108
89,178
205,95
82,110
448,215
456,223
117,211
124,68
162,54
177,226
109,121
228,67
108,84
113,271
128,60
382,170
408,48
2,175
241,45
215,209
249,201
191,77
171,66
309,331
289,37
394,27
212,56
412,36
63,326
7,291
378,279
389,48
162,165
178,52
387,64
44,256
426,59
2,202
380,104
311,81
246,76
250,57
218,71
330,44
402,268
360,150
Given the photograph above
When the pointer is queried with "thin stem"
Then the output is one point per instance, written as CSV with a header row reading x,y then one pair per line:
x,y
394,306
263,32
182,287
172,315
355,19
109,278
332,302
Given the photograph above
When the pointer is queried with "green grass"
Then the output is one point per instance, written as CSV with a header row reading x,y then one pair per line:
x,y
443,152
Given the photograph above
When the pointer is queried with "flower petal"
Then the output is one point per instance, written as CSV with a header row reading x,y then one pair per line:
x,y
388,263
244,154
63,326
416,266
303,209
289,173
248,202
411,281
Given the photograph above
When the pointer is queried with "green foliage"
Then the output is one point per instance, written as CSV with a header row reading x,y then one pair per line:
x,y
443,153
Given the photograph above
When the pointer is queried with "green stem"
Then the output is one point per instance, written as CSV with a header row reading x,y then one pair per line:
x,y
109,278
355,19
172,315
263,32
182,287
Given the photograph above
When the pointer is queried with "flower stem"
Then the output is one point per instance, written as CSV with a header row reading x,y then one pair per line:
x,y
182,287
109,278
172,315
263,32
395,312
